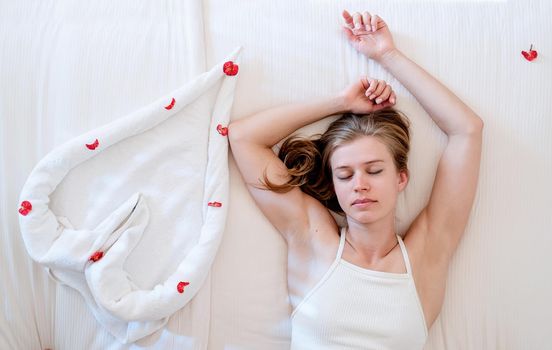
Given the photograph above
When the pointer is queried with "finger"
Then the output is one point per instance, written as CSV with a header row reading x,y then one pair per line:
x,y
365,83
393,97
373,83
385,104
382,105
366,20
357,20
376,90
348,19
375,19
373,90
385,94
376,108
348,32
379,89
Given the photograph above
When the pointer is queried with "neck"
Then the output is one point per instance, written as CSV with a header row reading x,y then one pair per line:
x,y
372,241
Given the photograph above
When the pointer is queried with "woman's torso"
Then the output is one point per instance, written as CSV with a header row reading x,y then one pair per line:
x,y
309,261
351,307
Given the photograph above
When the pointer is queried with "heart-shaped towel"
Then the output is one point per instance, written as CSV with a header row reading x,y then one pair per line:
x,y
131,214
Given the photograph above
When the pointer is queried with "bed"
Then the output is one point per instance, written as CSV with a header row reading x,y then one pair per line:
x,y
71,67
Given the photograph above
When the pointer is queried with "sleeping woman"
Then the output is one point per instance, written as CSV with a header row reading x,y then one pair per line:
x,y
362,286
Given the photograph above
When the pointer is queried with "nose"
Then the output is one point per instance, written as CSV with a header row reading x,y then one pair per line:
x,y
360,183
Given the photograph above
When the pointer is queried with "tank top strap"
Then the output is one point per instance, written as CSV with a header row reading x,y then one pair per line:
x,y
405,255
341,244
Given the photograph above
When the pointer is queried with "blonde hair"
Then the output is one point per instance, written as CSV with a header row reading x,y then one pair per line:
x,y
308,160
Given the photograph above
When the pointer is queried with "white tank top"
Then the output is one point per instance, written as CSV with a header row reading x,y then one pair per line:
x,y
356,308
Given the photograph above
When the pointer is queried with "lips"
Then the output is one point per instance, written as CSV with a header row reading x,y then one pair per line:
x,y
363,200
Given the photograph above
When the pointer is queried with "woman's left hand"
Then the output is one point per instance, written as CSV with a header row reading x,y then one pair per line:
x,y
368,95
368,34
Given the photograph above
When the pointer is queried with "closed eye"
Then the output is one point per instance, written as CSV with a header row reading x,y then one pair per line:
x,y
371,173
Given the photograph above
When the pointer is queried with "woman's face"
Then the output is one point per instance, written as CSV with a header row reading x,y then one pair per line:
x,y
365,179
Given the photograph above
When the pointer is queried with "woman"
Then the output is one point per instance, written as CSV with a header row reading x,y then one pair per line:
x,y
362,286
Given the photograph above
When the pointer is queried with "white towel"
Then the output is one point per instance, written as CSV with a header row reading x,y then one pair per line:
x,y
131,214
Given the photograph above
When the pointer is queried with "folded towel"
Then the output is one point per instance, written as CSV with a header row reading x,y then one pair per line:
x,y
131,214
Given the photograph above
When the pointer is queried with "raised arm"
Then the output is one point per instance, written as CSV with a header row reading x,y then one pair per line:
x,y
252,137
446,215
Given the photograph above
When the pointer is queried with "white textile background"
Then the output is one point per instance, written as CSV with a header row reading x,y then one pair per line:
x,y
69,67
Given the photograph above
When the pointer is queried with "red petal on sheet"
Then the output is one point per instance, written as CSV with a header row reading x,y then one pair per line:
x,y
214,204
92,146
180,286
531,55
171,105
222,130
230,68
227,66
25,208
96,256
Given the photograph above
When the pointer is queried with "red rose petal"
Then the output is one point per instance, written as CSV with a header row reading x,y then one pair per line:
x,y
221,130
171,105
214,204
227,66
25,208
180,286
96,256
92,146
230,68
531,55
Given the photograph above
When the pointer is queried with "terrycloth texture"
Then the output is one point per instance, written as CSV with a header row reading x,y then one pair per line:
x,y
131,214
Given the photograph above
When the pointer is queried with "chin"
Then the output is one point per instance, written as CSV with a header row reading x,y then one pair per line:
x,y
363,217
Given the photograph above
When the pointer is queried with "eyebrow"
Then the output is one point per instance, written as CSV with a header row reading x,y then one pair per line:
x,y
370,162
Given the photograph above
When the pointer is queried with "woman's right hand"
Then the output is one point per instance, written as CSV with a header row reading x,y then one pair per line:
x,y
368,34
367,95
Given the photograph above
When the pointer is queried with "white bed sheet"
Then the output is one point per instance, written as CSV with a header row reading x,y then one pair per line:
x,y
499,281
